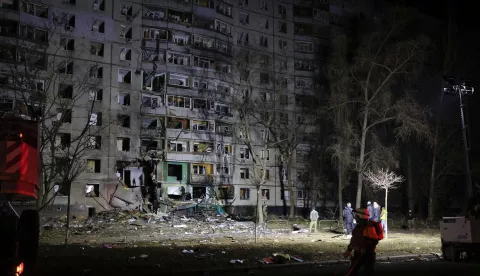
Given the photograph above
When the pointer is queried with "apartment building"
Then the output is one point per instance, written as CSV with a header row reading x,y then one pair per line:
x,y
162,75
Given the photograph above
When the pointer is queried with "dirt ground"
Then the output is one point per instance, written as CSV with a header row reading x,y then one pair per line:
x,y
125,243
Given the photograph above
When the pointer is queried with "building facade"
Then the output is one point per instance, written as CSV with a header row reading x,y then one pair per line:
x,y
162,80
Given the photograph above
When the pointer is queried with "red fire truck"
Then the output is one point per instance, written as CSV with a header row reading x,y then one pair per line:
x,y
19,178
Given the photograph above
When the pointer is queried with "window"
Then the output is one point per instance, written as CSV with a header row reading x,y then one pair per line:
x,y
65,67
94,142
304,65
95,119
65,91
222,109
62,140
98,26
267,174
203,104
33,9
243,18
152,54
266,194
126,10
178,80
244,193
148,145
303,46
224,148
66,20
98,5
180,38
282,44
151,101
263,23
243,3
32,33
123,144
282,26
149,123
124,75
319,14
153,12
244,173
92,190
203,147
202,62
124,121
303,83
263,41
93,166
285,195
224,8
242,39
265,154
178,59
223,27
124,99
179,146
154,34
264,78
96,71
96,49
203,42
95,94
153,82
263,5
264,134
125,54
67,44
244,153
204,3
8,4
203,125
199,169
282,10
179,101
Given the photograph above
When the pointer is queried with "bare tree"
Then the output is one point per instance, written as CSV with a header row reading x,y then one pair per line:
x,y
383,57
383,179
43,80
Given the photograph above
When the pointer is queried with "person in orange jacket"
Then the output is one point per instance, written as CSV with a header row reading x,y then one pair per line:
x,y
365,237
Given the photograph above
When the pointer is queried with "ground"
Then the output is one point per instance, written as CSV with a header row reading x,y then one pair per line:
x,y
123,243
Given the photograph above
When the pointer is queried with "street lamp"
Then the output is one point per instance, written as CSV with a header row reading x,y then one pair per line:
x,y
463,89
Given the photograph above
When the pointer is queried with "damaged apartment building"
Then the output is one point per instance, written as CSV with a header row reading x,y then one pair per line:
x,y
160,98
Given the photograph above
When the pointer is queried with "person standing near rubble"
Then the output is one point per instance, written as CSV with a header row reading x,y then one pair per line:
x,y
264,210
348,218
313,220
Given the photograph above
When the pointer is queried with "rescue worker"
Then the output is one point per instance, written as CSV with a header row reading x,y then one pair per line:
x,y
383,219
376,212
313,220
348,218
365,238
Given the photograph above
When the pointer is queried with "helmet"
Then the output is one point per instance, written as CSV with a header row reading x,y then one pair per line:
x,y
362,213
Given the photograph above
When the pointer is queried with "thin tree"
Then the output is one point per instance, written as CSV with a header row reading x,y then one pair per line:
x,y
386,180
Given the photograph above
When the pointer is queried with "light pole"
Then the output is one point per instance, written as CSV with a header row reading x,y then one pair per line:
x,y
462,89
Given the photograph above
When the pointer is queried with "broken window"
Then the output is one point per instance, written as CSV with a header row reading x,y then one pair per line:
x,y
178,80
202,147
96,71
93,166
226,192
180,38
98,5
177,123
178,59
282,27
244,173
263,41
264,78
65,67
126,10
98,26
147,145
244,193
224,8
243,18
64,115
265,154
203,42
95,119
153,12
244,153
96,49
155,34
65,19
124,75
123,144
223,27
179,101
95,142
124,120
62,140
266,194
199,169
67,44
151,101
203,125
222,109
126,33
153,82
149,123
267,174
125,53
92,190
95,94
65,91
304,46
203,104
263,5
124,99
179,146
175,170
263,23
282,9
202,62
34,34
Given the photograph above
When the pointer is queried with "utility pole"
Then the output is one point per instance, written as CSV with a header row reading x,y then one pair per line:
x,y
462,89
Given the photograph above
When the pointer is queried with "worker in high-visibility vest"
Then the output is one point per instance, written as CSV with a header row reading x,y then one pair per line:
x,y
365,237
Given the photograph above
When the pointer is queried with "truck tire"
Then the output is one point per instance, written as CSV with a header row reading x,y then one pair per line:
x,y
450,253
28,239
8,235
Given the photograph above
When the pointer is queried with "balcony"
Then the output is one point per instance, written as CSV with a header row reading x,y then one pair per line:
x,y
202,179
156,132
179,17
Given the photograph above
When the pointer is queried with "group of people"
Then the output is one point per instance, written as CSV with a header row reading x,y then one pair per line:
x,y
376,213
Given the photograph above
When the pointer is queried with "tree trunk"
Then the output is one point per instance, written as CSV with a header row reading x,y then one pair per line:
x,y
386,213
411,198
67,231
290,188
282,188
340,191
259,205
431,189
363,145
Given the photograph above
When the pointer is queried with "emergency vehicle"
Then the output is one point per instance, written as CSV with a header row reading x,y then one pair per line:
x,y
19,183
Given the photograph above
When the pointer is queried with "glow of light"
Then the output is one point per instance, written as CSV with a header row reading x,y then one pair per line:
x,y
19,269
21,135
